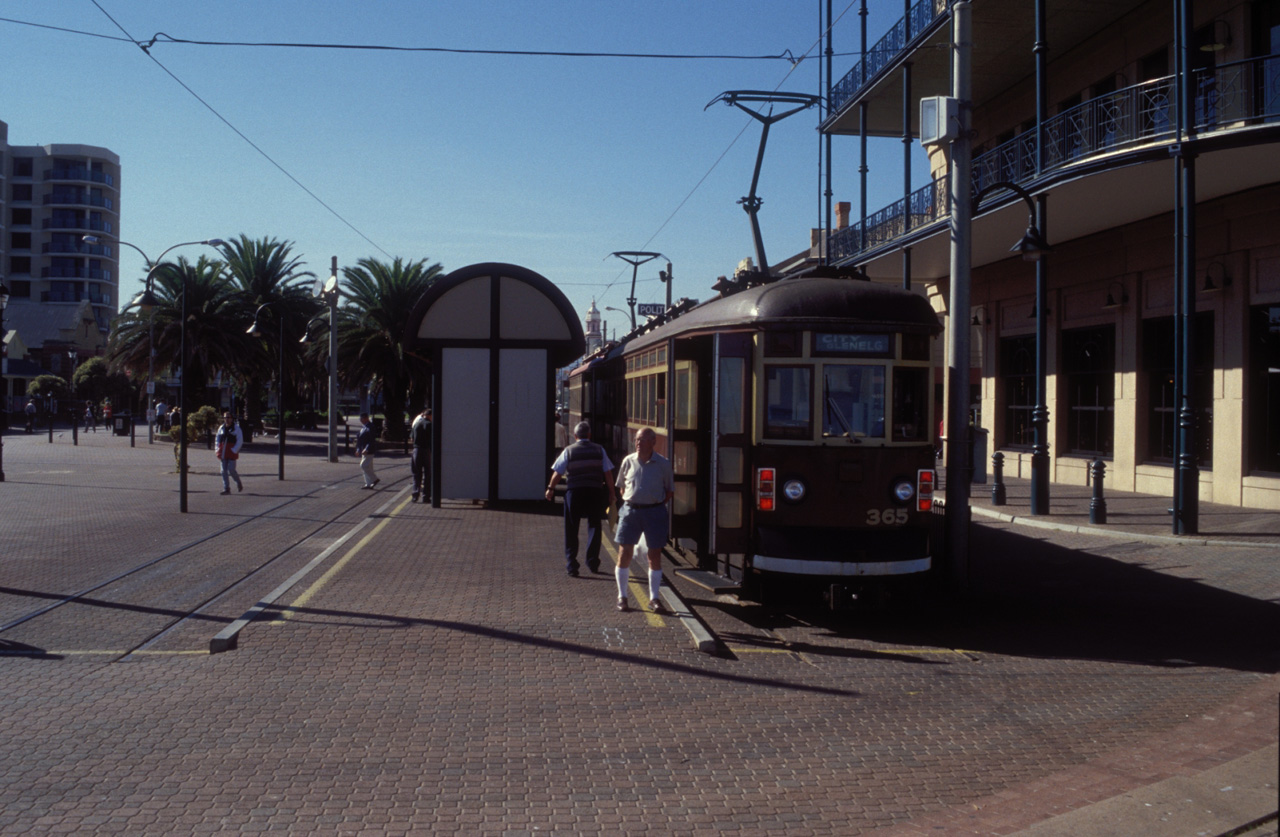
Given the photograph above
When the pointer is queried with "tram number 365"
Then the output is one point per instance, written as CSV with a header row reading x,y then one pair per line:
x,y
886,517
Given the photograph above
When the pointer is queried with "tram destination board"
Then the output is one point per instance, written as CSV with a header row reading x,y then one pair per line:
x,y
650,309
861,345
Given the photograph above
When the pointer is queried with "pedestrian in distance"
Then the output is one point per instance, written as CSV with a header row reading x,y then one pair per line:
x,y
646,483
364,449
31,415
162,413
420,458
589,473
562,432
90,417
227,444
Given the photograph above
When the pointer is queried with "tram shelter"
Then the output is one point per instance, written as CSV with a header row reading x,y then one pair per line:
x,y
496,334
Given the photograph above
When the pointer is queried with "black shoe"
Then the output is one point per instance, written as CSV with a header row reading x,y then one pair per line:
x,y
225,491
415,499
573,573
595,568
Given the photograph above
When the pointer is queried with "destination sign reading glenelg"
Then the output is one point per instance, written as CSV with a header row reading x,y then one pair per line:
x,y
853,344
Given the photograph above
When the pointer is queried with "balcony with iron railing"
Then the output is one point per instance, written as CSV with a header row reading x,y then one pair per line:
x,y
77,247
897,41
1233,96
80,174
96,274
62,223
79,198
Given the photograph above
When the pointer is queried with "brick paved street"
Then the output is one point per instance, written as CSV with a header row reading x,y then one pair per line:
x,y
438,672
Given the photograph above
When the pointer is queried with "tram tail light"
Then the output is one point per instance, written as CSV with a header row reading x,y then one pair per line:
x,y
766,479
924,489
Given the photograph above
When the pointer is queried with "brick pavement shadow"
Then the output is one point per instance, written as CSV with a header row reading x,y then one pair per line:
x,y
306,615
1031,598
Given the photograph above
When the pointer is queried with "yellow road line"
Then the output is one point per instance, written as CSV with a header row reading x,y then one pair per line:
x,y
641,585
315,588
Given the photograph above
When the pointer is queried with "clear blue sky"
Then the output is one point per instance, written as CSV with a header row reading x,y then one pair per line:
x,y
547,162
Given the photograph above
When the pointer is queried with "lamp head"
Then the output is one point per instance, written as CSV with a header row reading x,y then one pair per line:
x,y
215,242
1032,246
146,301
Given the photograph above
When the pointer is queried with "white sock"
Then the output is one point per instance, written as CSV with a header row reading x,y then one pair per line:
x,y
655,583
624,575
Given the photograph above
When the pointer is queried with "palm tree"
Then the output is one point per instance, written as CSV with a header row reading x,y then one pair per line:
x,y
266,273
215,340
379,299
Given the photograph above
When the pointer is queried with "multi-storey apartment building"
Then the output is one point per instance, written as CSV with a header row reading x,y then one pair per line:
x,y
63,293
1164,224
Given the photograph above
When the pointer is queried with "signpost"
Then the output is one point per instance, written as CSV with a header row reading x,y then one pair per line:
x,y
650,309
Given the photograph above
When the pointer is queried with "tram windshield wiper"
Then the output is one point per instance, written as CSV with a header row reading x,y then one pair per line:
x,y
834,407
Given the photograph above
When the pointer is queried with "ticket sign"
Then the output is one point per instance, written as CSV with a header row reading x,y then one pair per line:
x,y
650,309
865,345
151,387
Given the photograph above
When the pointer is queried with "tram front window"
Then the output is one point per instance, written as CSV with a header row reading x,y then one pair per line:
x,y
853,401
788,396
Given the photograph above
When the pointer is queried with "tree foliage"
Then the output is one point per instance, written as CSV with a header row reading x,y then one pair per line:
x,y
379,298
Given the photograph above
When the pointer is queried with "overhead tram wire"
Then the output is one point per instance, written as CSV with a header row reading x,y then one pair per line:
x,y
242,136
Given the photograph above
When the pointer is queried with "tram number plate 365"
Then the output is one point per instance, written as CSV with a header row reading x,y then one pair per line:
x,y
886,517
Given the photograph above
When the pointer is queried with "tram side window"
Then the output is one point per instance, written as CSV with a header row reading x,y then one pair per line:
x,y
853,401
788,402
910,405
686,395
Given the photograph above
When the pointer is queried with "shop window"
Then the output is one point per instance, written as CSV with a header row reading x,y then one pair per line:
x,y
1089,373
1162,410
1018,379
1264,389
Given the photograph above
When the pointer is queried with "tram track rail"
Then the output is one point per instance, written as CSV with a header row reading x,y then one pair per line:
x,y
193,610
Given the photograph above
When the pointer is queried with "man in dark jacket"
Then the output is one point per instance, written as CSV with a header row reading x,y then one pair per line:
x,y
589,473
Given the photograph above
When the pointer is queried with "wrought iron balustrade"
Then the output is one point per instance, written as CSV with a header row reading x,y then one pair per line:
x,y
893,44
1228,97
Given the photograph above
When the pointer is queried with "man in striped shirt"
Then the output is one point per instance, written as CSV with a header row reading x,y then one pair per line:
x,y
588,471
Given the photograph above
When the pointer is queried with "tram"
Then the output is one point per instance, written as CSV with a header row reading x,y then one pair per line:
x,y
798,417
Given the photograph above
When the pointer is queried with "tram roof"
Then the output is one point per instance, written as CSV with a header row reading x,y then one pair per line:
x,y
807,302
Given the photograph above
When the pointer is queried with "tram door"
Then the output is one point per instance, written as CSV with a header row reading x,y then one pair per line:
x,y
731,446
690,393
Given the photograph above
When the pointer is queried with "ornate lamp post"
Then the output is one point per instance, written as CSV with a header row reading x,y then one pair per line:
x,y
146,302
635,258
1033,248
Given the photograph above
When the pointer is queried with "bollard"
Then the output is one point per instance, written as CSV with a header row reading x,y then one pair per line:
x,y
1098,505
998,495
75,429
348,429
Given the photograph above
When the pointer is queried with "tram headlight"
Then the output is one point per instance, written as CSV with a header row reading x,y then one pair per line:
x,y
793,490
904,491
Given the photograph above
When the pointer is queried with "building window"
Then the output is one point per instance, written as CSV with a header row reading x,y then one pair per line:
x,y
22,167
20,288
1018,376
1162,410
1089,373
22,192
1264,388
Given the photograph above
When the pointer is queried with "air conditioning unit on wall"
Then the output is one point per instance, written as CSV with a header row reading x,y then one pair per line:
x,y
939,119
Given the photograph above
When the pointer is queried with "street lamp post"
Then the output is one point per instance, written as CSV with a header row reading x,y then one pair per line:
x,y
635,258
4,385
256,331
1033,248
146,301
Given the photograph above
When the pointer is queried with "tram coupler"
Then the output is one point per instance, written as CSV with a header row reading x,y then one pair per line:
x,y
1097,505
998,494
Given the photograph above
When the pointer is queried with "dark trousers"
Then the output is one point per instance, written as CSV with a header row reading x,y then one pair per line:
x,y
580,503
420,466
